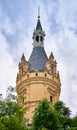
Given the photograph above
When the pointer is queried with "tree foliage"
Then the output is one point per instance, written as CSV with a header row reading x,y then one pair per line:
x,y
57,117
63,114
11,112
73,124
13,123
10,105
45,117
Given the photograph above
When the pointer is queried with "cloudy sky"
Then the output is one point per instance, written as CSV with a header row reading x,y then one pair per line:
x,y
18,20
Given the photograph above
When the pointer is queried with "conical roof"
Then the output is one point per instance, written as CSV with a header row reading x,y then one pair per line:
x,y
37,59
38,27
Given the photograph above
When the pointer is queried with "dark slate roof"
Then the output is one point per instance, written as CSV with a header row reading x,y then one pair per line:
x,y
38,27
37,59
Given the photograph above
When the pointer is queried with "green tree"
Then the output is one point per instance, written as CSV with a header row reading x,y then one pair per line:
x,y
73,124
10,105
11,112
2,127
13,123
45,117
63,114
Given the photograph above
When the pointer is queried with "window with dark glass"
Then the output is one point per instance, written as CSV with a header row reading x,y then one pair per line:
x,y
45,74
36,74
41,39
27,75
51,99
37,38
23,100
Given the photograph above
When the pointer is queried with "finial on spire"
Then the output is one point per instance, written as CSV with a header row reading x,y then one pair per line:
x,y
38,12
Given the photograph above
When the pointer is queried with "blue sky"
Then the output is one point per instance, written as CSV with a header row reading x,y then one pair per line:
x,y
18,20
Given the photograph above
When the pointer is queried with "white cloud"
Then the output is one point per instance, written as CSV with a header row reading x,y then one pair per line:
x,y
8,68
7,26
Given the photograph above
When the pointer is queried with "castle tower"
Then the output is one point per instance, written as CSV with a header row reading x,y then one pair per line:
x,y
38,77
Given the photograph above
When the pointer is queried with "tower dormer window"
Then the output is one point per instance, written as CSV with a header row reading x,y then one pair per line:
x,y
37,38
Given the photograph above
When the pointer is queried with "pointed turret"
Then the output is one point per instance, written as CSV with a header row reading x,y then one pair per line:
x,y
23,58
38,35
38,57
51,56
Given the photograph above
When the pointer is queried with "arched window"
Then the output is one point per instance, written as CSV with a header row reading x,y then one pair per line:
x,y
27,75
36,74
37,38
41,38
51,68
51,99
22,69
23,99
45,74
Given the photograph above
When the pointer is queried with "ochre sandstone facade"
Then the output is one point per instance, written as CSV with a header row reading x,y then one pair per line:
x,y
38,77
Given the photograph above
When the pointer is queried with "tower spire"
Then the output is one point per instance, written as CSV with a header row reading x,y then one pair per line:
x,y
38,35
38,12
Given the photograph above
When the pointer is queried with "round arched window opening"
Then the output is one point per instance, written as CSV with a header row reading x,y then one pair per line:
x,y
37,38
36,74
45,74
51,99
51,68
27,75
41,38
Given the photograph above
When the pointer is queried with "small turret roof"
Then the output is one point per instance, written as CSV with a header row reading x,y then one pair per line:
x,y
22,58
